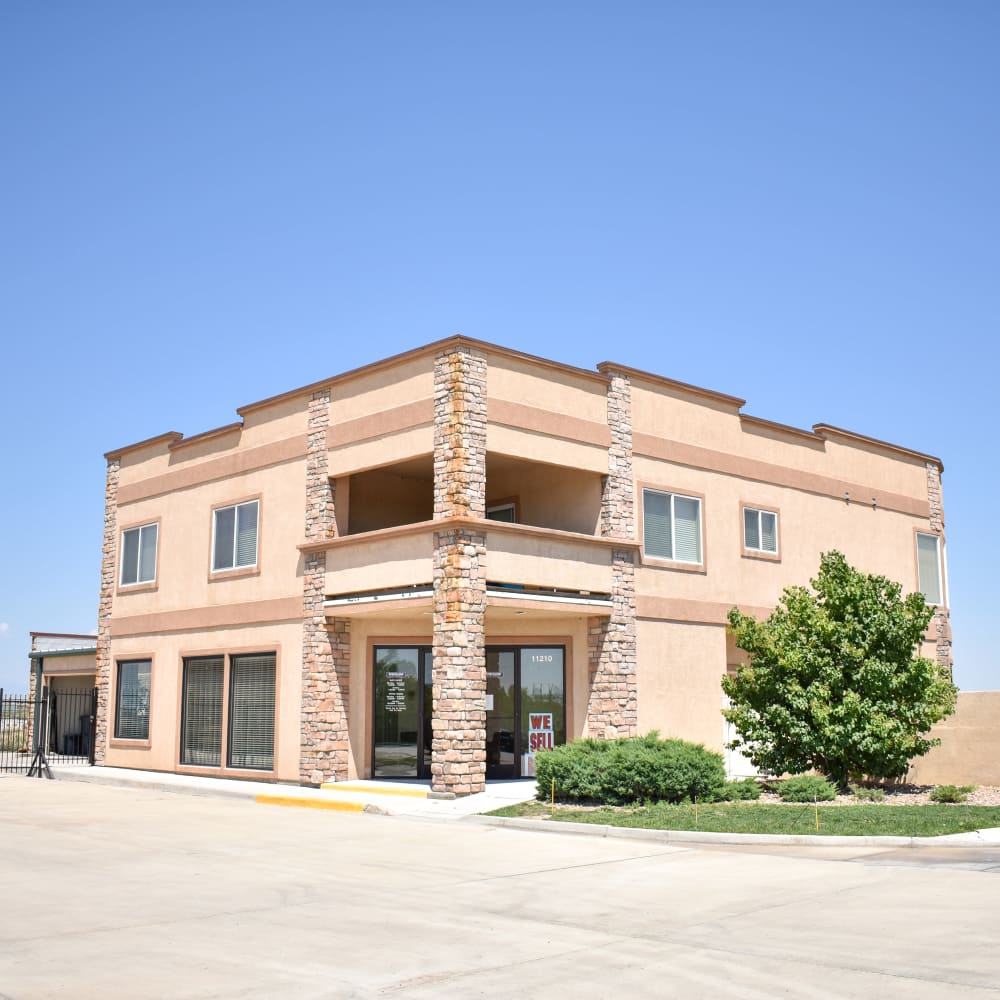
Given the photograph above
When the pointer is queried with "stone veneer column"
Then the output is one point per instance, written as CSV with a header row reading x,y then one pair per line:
x,y
941,622
458,748
612,708
109,551
326,645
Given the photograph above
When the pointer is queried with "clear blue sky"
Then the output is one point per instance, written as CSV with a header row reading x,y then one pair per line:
x,y
204,204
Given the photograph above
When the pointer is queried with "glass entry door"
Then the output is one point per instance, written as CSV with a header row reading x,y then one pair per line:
x,y
401,720
525,707
501,713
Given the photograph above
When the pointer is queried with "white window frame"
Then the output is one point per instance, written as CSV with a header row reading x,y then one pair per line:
x,y
673,528
760,532
940,568
139,581
235,507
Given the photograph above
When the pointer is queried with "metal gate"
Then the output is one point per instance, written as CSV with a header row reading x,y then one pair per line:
x,y
56,727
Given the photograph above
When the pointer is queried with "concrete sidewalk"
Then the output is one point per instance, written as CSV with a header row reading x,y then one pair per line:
x,y
396,798
414,798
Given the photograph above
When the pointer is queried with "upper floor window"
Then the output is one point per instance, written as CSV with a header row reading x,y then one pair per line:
x,y
139,555
235,536
671,526
760,530
929,568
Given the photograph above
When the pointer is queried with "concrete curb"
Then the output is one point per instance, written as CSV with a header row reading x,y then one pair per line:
x,y
296,795
977,838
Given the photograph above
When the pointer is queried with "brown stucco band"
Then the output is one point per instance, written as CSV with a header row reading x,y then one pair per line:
x,y
695,612
285,609
766,472
217,468
539,421
392,421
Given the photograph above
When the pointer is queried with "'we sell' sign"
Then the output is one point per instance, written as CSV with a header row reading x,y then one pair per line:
x,y
540,733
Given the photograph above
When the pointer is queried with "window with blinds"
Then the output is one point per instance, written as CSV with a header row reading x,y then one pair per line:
x,y
251,712
760,530
201,714
235,536
671,526
929,568
138,555
132,700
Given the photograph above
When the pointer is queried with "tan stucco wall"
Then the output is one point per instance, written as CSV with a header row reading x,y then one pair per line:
x,y
969,753
874,540
548,496
554,390
167,652
680,676
383,498
183,573
547,436
410,381
674,416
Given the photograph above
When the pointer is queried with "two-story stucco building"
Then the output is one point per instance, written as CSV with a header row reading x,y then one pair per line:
x,y
433,565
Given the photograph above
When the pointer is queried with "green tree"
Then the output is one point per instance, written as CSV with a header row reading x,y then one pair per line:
x,y
834,681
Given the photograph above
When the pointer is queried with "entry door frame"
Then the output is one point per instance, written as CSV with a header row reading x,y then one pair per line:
x,y
425,677
518,648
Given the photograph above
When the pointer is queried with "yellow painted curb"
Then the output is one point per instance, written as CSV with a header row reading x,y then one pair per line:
x,y
347,786
291,800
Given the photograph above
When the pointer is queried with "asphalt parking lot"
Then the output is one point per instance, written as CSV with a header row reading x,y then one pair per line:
x,y
113,892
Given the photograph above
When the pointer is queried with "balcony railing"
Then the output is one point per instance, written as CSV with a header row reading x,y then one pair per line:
x,y
376,563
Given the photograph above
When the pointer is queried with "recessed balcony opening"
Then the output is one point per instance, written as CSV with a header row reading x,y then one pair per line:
x,y
385,498
517,490
542,495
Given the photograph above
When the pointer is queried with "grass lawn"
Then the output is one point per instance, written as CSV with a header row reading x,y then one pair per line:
x,y
757,817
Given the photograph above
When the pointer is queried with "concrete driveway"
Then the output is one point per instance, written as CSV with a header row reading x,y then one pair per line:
x,y
132,893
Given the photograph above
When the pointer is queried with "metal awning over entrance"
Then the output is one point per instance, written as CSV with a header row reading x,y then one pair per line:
x,y
411,600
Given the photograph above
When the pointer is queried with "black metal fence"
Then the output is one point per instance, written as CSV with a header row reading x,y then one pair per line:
x,y
56,727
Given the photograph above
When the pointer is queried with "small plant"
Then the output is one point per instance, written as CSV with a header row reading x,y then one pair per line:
x,y
951,793
807,788
864,794
744,790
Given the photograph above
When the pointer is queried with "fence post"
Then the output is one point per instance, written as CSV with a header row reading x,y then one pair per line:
x,y
93,725
35,729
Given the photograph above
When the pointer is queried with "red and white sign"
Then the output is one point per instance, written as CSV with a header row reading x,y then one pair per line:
x,y
540,732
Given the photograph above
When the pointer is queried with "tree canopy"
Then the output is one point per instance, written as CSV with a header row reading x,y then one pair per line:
x,y
835,682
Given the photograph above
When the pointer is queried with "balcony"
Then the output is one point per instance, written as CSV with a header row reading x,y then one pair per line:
x,y
539,494
390,570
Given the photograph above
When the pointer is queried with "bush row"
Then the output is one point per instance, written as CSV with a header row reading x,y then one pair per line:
x,y
622,771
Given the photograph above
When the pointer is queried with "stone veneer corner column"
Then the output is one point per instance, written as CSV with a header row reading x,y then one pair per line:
x,y
613,706
941,622
458,748
326,645
109,551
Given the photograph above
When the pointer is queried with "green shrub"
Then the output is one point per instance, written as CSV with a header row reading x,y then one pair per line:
x,y
807,788
618,772
868,794
744,790
951,793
